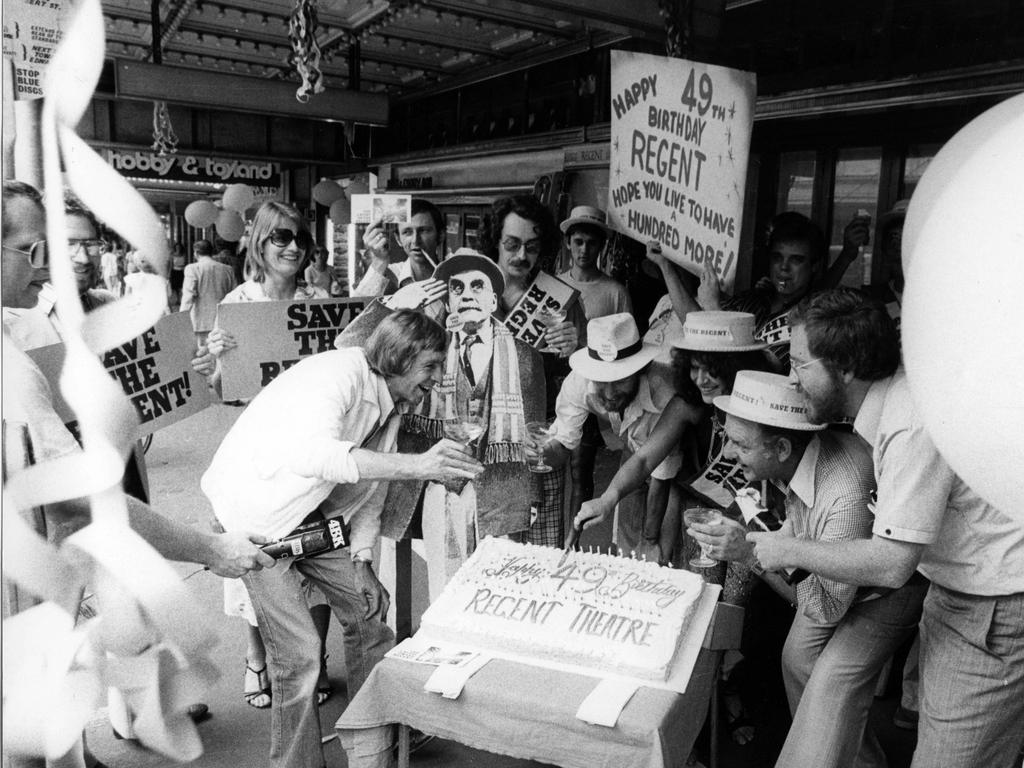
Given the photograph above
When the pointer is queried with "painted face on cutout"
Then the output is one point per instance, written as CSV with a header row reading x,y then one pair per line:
x,y
822,390
472,297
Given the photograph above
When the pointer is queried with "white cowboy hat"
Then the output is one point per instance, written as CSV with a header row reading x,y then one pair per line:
x,y
719,332
766,398
585,214
614,349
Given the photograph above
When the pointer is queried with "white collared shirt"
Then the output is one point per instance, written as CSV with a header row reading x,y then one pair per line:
x,y
291,449
578,397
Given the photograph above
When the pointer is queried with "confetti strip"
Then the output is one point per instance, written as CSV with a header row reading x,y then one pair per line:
x,y
305,56
149,639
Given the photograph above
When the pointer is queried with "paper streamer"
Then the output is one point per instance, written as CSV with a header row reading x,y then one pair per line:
x,y
150,639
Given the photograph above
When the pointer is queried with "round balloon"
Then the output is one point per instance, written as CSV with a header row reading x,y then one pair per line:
x,y
962,312
327,191
201,213
230,225
356,187
238,197
341,212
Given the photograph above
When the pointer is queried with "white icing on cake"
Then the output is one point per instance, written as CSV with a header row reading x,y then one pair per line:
x,y
612,613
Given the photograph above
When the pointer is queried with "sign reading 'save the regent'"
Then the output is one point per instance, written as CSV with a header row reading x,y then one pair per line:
x,y
178,167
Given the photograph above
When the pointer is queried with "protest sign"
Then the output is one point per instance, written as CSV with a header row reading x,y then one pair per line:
x,y
546,293
32,31
718,483
154,370
680,137
272,336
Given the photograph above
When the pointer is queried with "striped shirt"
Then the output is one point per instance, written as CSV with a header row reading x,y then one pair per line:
x,y
827,500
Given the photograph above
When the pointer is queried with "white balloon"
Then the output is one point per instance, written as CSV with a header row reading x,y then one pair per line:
x,y
963,309
341,212
238,197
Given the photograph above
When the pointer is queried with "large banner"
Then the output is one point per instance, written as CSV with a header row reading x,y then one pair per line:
x,y
680,138
154,370
272,336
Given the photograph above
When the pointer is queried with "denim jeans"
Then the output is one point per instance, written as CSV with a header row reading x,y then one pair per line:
x,y
972,681
293,648
830,677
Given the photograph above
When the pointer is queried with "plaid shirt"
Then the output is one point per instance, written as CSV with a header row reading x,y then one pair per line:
x,y
827,500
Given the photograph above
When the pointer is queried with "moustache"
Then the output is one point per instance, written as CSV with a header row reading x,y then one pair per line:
x,y
519,264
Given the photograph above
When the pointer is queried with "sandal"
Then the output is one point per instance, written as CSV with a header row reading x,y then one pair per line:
x,y
258,698
324,691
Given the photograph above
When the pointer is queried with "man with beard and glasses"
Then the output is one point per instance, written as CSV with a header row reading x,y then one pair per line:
x,y
929,525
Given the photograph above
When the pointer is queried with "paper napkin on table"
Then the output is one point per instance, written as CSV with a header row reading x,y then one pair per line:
x,y
606,702
450,679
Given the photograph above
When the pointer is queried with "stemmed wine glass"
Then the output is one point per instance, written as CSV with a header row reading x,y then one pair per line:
x,y
705,516
467,428
537,433
550,317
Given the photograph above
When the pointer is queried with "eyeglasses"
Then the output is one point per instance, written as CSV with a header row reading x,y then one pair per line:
x,y
514,244
800,366
456,287
36,254
283,237
91,247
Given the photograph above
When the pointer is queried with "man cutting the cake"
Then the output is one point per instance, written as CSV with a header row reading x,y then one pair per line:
x,y
612,379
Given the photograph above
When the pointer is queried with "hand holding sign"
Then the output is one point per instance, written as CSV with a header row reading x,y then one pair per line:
x,y
220,341
375,240
709,293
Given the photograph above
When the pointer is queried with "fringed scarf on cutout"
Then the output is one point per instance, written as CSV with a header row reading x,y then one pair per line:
x,y
506,426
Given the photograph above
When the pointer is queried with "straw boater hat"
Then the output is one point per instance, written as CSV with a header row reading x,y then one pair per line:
x,y
719,332
766,398
614,349
466,259
585,214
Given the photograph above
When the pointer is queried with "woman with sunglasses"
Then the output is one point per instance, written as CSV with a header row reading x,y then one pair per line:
x,y
279,249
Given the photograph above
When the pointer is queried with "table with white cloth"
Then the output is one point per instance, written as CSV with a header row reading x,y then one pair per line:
x,y
529,712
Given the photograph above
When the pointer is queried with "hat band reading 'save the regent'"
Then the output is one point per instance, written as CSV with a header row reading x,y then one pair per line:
x,y
632,349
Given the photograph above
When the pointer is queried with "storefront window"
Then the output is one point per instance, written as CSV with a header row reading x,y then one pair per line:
x,y
796,182
857,179
918,158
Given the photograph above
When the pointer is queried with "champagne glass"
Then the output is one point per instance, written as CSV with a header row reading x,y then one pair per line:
x,y
549,318
537,434
467,429
706,516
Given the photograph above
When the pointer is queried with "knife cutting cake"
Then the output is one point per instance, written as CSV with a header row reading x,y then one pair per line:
x,y
615,614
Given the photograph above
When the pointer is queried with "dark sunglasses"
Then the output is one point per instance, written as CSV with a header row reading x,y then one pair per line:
x,y
282,238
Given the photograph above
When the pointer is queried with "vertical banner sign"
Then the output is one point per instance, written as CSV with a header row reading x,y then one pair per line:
x,y
32,30
680,137
547,292
154,370
272,336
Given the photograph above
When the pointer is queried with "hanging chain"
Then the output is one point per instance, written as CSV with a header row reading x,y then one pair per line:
x,y
165,141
